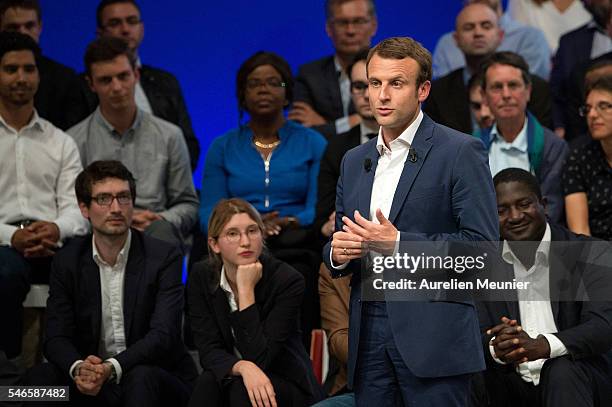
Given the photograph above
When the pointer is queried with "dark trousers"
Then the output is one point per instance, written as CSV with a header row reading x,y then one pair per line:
x,y
382,377
16,273
563,382
232,393
143,385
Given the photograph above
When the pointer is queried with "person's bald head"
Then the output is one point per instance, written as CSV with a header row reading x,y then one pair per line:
x,y
477,31
495,5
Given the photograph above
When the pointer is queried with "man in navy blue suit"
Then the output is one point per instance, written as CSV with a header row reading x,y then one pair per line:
x,y
418,181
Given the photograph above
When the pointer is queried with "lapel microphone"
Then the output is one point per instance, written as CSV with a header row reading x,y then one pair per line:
x,y
412,155
367,164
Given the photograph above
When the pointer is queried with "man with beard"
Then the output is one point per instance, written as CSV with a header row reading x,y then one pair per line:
x,y
38,165
577,47
115,305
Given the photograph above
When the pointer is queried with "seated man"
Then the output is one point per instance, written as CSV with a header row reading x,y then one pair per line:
x,y
116,301
322,88
547,347
478,36
478,106
329,171
152,148
528,42
38,165
60,98
157,91
517,139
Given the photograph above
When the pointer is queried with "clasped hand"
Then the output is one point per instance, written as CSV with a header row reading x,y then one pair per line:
x,y
513,345
357,237
37,240
92,373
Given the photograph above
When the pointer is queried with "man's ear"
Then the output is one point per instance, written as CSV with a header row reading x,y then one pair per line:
x,y
137,73
89,82
84,210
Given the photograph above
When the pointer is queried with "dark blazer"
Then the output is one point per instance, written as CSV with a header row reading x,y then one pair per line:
x,y
449,104
574,49
585,328
267,333
317,84
60,97
164,94
329,172
447,194
152,307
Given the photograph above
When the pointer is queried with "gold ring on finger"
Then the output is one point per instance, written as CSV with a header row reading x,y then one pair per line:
x,y
345,251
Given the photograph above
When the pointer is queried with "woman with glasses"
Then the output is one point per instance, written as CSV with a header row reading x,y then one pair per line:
x,y
587,179
271,162
244,310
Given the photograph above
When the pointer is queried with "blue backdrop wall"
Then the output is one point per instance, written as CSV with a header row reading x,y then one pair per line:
x,y
204,42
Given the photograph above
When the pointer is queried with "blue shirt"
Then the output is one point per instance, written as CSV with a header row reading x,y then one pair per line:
x,y
504,155
528,42
235,169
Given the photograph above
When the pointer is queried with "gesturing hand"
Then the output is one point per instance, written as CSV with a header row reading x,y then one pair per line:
x,y
257,384
380,237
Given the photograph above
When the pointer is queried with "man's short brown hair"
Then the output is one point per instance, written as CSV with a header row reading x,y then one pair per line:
x,y
404,47
330,4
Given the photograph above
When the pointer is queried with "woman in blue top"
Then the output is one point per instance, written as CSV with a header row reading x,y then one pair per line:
x,y
271,162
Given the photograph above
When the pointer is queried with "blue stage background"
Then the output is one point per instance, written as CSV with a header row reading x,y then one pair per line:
x,y
204,43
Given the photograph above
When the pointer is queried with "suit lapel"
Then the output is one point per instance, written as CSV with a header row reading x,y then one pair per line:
x,y
421,144
134,270
92,292
334,91
365,194
219,304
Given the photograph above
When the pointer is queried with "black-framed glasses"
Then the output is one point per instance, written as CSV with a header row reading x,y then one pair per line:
x,y
273,83
107,199
117,22
233,235
602,108
343,23
359,87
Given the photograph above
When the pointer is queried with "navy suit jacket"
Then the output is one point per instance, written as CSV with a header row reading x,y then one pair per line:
x,y
447,194
584,327
152,307
317,84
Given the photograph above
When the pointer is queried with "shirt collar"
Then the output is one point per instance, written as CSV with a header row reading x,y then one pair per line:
x,y
519,143
542,252
406,138
101,120
224,283
121,257
594,26
364,131
35,123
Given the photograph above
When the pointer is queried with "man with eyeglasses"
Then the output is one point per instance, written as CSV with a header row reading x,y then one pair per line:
x,y
38,165
336,148
60,97
478,35
115,306
322,90
157,91
152,148
517,139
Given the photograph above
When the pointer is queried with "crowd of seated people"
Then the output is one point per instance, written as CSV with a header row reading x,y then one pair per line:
x,y
104,205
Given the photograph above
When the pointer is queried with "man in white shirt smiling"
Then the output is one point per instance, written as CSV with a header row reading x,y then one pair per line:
x,y
115,305
547,347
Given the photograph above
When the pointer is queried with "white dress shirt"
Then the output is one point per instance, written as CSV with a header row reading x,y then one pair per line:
x,y
38,167
388,172
112,326
535,311
504,155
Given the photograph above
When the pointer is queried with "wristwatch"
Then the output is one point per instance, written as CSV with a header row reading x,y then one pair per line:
x,y
113,375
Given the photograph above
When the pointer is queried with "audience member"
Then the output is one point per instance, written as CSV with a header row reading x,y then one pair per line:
x,y
529,42
152,148
157,91
575,48
587,179
553,17
338,146
481,113
60,98
244,309
115,306
548,347
477,35
517,139
322,89
582,76
38,166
